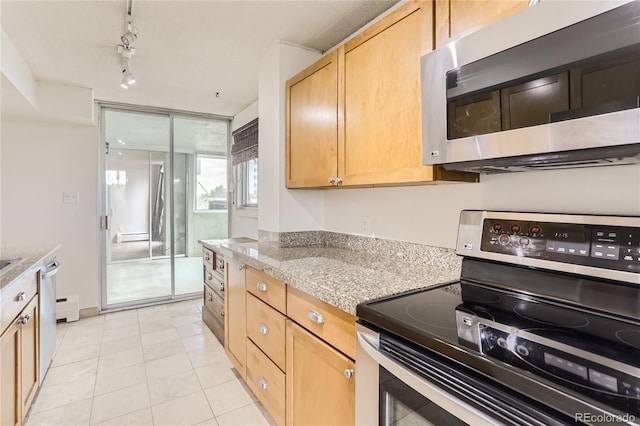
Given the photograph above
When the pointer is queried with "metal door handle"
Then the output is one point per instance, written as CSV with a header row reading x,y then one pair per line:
x,y
348,373
262,383
315,317
262,328
21,296
261,286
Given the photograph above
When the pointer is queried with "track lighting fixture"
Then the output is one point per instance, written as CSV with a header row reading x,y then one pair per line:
x,y
127,77
126,49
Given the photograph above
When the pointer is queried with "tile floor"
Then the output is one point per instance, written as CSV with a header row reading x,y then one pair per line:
x,y
158,365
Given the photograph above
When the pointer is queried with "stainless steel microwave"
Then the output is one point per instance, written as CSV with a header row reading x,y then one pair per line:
x,y
555,85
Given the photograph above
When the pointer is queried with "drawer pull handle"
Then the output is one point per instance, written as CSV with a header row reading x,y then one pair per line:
x,y
221,313
24,319
21,296
210,296
315,317
262,383
348,373
209,276
207,257
261,286
262,328
221,287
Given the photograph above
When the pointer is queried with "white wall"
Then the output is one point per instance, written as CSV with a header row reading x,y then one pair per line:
x,y
429,214
40,161
281,209
243,221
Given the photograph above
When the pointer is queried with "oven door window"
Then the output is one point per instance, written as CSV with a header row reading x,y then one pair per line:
x,y
401,405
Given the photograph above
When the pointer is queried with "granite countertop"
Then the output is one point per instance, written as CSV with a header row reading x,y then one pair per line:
x,y
30,257
341,277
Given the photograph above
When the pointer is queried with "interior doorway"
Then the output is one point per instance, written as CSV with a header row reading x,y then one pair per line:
x,y
164,188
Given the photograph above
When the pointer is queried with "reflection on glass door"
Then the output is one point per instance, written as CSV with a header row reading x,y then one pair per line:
x,y
156,206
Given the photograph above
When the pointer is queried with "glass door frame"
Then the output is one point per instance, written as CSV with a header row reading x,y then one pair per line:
x,y
102,108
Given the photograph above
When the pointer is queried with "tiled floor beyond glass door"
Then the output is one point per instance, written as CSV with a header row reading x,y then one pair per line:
x,y
150,366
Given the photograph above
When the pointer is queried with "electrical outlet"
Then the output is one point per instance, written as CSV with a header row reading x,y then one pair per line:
x,y
364,228
71,197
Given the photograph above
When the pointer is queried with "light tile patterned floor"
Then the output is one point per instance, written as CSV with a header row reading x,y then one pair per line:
x,y
159,365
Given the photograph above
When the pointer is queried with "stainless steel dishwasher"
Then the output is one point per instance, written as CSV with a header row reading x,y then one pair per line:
x,y
47,306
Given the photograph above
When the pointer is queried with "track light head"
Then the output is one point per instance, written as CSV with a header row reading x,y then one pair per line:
x,y
130,36
128,78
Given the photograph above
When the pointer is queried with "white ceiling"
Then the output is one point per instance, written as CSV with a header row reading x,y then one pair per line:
x,y
186,50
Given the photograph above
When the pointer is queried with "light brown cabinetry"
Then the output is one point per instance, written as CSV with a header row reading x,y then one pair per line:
x,y
18,352
320,366
455,18
354,117
266,381
320,382
213,294
235,339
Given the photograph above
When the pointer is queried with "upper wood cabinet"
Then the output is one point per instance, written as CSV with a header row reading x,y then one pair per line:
x,y
312,124
354,117
455,18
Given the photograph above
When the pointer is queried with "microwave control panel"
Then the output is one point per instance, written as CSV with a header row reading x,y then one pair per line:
x,y
609,247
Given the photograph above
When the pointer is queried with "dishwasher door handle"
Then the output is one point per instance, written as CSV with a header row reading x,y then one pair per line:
x,y
50,270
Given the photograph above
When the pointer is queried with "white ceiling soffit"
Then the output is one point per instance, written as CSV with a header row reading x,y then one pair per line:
x,y
186,50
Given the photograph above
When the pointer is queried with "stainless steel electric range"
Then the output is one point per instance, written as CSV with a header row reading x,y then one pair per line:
x,y
542,328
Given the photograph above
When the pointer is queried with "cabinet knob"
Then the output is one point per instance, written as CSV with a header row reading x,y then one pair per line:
x,y
262,383
24,319
209,276
261,286
21,296
349,372
206,257
338,181
240,267
332,180
262,328
209,296
221,287
315,317
221,313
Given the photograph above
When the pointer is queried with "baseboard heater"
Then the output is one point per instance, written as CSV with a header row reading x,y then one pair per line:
x,y
68,308
126,237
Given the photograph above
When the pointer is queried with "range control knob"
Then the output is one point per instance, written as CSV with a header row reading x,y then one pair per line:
x,y
515,228
535,230
497,227
524,241
504,239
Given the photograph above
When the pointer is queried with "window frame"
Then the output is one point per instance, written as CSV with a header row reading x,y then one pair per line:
x,y
195,179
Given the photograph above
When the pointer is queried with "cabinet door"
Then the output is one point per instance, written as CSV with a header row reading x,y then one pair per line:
x,y
235,317
10,403
318,390
312,125
380,139
29,354
455,18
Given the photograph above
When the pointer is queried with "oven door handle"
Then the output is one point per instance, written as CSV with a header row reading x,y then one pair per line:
x,y
434,393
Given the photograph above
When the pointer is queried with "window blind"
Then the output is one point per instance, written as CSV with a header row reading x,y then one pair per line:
x,y
245,143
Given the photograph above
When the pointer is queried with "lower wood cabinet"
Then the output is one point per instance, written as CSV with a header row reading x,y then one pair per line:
x,y
320,384
235,329
19,365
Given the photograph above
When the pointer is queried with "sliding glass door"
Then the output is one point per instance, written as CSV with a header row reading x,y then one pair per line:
x,y
158,201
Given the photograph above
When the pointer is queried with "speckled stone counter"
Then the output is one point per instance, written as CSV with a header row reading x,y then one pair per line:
x,y
30,257
343,277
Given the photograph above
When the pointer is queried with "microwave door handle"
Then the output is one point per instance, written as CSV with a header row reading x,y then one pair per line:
x,y
434,393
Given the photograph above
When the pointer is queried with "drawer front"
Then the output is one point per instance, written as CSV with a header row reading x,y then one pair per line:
x,y
268,289
333,325
214,303
213,280
266,328
267,382
208,257
15,297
